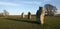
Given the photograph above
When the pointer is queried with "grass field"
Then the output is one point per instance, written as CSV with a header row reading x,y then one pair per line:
x,y
15,22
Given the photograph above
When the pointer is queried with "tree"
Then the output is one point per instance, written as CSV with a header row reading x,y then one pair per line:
x,y
50,9
5,13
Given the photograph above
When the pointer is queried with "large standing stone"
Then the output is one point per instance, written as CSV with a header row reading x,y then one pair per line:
x,y
29,15
40,15
22,15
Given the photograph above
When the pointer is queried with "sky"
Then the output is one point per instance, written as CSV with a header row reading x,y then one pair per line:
x,y
16,7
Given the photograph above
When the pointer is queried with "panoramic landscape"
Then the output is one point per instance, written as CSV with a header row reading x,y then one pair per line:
x,y
29,14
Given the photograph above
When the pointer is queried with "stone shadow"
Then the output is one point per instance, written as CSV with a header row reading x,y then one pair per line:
x,y
21,20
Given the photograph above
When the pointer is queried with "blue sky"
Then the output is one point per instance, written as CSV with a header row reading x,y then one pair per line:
x,y
16,7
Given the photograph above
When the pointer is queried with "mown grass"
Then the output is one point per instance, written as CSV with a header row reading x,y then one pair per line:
x,y
51,22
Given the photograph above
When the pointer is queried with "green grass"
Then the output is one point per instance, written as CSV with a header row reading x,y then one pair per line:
x,y
51,22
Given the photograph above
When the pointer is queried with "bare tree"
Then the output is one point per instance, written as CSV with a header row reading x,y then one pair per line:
x,y
5,13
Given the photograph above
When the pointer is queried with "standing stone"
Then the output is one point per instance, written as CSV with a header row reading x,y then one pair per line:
x,y
40,15
29,15
22,15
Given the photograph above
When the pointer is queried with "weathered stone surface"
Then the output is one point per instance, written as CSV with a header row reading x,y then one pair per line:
x,y
40,15
23,16
29,15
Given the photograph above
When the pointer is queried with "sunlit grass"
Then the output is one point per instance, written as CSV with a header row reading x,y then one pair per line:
x,y
51,22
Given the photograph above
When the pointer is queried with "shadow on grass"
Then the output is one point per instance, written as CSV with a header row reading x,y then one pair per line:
x,y
21,20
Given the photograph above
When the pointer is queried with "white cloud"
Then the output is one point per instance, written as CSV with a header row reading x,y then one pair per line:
x,y
31,2
46,0
8,3
24,2
38,3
